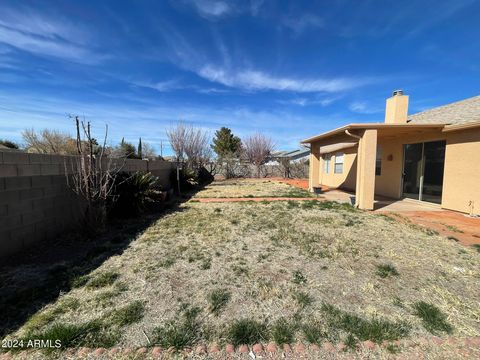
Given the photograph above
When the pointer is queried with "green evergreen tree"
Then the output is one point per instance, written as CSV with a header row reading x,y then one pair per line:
x,y
225,143
139,150
9,144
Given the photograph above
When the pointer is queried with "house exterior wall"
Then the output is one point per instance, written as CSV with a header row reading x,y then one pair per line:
x,y
389,183
461,182
345,180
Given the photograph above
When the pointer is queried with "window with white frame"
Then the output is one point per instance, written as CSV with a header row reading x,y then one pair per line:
x,y
338,169
326,163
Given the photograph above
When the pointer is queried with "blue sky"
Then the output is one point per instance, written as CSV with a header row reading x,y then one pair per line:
x,y
290,69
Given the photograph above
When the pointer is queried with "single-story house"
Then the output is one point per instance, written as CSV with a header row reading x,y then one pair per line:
x,y
431,156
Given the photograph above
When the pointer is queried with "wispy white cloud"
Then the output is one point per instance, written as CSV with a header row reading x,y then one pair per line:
x,y
258,80
363,107
212,8
304,101
299,24
45,35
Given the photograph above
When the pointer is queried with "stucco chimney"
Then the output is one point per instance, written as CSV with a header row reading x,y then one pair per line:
x,y
397,108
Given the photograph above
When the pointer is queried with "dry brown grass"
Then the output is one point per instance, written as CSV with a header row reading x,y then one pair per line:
x,y
266,254
235,188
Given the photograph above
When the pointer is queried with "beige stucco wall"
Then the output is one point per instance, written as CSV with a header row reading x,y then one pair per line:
x,y
461,186
345,180
461,182
389,183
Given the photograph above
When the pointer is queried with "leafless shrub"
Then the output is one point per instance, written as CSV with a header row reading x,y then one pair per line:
x,y
92,176
258,148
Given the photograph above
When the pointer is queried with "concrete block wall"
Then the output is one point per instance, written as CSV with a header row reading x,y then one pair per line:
x,y
36,202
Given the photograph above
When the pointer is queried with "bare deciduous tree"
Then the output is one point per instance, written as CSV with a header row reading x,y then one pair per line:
x,y
190,144
49,142
258,148
177,135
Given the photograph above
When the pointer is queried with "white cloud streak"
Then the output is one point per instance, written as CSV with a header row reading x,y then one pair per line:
x,y
46,36
258,80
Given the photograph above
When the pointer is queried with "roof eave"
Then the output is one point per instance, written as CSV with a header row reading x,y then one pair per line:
x,y
365,127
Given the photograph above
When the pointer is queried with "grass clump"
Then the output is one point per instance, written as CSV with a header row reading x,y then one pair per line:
x,y
102,280
432,317
303,299
313,333
375,329
79,281
283,332
91,334
218,299
299,278
179,333
386,270
247,331
41,319
129,314
476,247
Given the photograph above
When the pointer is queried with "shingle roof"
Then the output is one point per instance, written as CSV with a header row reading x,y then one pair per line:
x,y
460,112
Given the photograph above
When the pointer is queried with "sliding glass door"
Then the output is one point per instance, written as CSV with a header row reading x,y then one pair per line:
x,y
423,171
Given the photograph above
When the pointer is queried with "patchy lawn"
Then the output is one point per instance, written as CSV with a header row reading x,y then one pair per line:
x,y
250,188
280,271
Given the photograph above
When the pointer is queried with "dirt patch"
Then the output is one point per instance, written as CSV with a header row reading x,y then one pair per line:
x,y
455,226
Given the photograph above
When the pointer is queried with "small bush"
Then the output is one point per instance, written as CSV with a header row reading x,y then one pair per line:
x,y
283,332
129,314
133,193
218,299
386,270
247,331
477,247
433,319
102,280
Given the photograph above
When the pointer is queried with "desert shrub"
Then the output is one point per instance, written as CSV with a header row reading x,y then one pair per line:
x,y
133,193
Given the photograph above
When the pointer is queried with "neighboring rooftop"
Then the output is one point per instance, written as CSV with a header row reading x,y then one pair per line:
x,y
298,153
460,112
